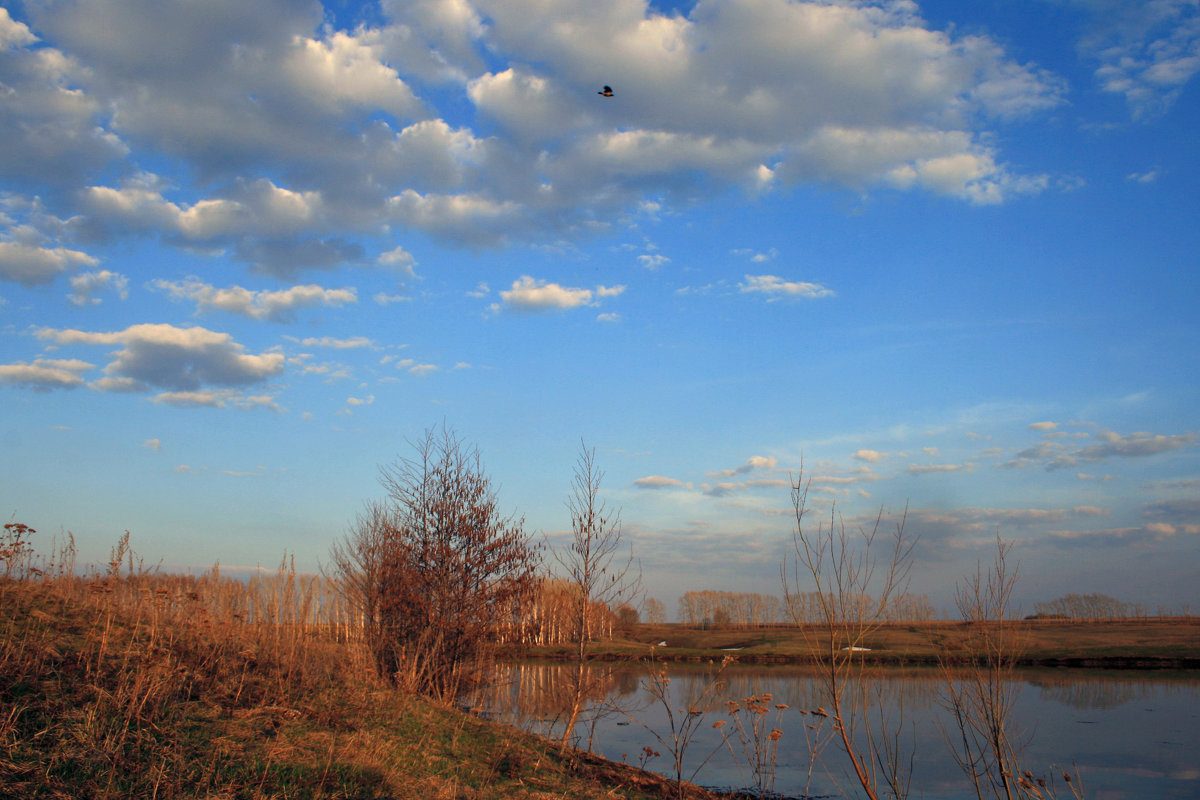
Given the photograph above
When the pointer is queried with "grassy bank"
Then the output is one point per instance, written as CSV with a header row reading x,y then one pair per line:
x,y
140,687
1170,643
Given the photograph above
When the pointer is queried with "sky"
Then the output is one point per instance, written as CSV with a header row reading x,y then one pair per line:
x,y
933,256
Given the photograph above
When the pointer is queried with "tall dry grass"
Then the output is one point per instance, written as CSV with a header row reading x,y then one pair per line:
x,y
113,678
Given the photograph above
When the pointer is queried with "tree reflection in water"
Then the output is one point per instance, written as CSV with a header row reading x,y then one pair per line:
x,y
1132,735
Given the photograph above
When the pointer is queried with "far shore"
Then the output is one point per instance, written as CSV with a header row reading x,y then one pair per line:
x,y
1140,643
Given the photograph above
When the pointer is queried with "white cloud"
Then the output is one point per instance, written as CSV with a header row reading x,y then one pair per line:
x,y
751,464
178,359
258,207
423,369
217,398
657,482
152,444
347,70
338,344
531,295
653,261
45,373
1043,426
12,33
1053,455
776,287
870,456
277,306
1147,51
921,469
861,95
31,265
87,284
399,259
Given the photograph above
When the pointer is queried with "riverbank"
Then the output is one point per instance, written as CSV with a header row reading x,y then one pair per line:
x,y
1151,643
111,690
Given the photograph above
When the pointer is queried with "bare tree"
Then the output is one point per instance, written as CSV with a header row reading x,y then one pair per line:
x,y
980,692
593,563
656,612
429,566
849,598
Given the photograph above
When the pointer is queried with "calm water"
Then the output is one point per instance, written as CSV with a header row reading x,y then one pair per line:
x,y
1129,736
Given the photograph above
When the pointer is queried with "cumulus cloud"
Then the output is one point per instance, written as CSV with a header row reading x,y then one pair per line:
x,y
399,259
305,136
870,456
258,207
776,288
31,265
530,295
176,359
85,285
277,306
45,373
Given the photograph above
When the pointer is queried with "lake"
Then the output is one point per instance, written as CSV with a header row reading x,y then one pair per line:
x,y
1126,735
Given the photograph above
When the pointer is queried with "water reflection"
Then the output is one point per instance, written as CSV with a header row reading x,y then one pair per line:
x,y
1132,736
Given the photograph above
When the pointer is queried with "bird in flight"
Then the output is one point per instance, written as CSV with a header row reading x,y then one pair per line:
x,y
606,91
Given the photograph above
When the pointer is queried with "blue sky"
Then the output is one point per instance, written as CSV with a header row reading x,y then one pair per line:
x,y
940,255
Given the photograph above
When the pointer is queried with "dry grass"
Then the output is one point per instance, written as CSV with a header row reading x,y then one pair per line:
x,y
129,684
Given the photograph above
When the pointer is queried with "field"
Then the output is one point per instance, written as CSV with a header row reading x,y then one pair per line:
x,y
1170,643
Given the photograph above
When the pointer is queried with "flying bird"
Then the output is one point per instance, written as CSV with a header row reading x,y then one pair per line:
x,y
606,91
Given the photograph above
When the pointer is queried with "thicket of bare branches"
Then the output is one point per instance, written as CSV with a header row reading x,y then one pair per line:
x,y
432,564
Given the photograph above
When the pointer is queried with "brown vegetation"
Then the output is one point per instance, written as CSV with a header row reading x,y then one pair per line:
x,y
125,683
435,570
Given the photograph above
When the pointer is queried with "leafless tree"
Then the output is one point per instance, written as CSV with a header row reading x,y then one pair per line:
x,y
655,611
429,566
980,692
594,563
850,594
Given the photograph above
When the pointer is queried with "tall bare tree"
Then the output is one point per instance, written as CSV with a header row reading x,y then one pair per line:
x,y
429,566
594,563
851,590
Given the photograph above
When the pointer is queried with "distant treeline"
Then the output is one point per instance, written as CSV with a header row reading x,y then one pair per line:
x,y
745,609
1098,606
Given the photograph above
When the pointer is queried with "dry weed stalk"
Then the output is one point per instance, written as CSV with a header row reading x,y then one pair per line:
x,y
757,744
683,724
